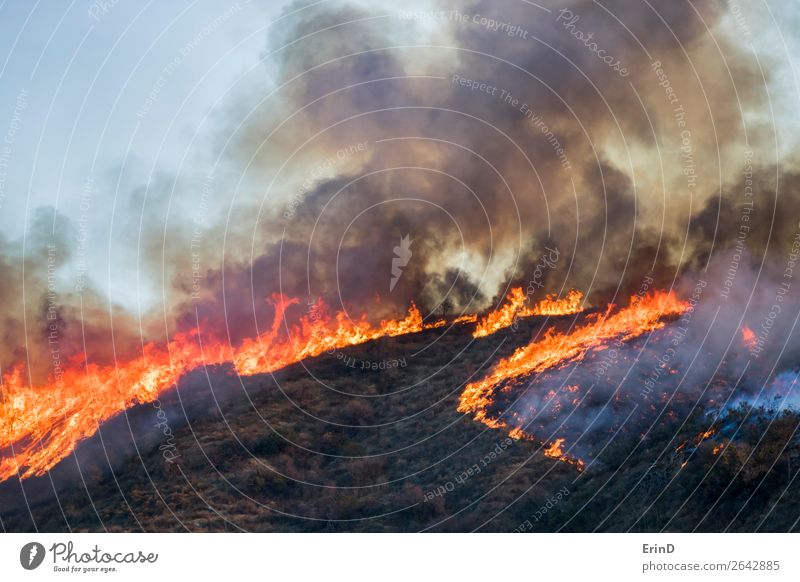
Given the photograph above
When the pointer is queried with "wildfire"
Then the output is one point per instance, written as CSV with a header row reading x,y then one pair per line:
x,y
551,305
41,426
315,334
706,434
643,315
556,451
698,440
515,308
748,337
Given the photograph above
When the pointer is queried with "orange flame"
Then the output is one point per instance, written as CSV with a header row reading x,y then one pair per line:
x,y
643,315
705,435
41,426
698,440
556,451
514,308
551,305
748,337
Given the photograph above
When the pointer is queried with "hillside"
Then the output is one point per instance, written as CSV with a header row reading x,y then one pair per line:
x,y
328,446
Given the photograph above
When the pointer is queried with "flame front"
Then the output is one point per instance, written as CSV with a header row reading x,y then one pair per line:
x,y
315,334
643,315
514,308
41,426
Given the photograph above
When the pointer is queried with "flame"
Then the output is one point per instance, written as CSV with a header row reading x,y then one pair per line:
x,y
315,334
502,317
698,440
551,305
514,308
40,426
707,434
556,451
516,433
748,337
555,349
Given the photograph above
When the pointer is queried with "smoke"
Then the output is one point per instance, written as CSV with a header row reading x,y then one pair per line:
x,y
512,136
47,325
779,395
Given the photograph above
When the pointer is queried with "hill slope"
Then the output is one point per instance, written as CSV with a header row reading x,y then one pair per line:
x,y
368,439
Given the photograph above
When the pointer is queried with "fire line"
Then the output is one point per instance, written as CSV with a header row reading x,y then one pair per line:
x,y
643,315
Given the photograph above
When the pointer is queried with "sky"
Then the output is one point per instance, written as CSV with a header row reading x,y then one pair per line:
x,y
102,105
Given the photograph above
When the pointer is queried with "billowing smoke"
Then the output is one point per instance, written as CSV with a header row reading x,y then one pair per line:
x,y
489,133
